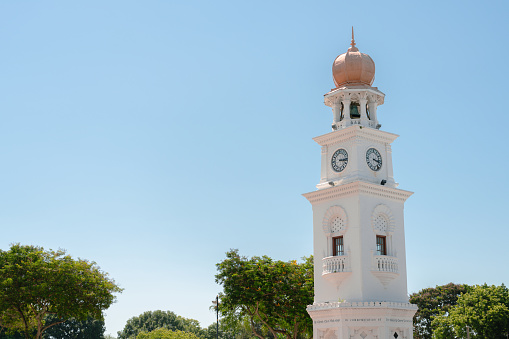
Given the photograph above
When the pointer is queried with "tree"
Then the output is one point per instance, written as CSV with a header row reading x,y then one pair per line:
x,y
164,333
273,293
74,329
16,335
151,320
69,329
233,328
484,309
35,283
431,302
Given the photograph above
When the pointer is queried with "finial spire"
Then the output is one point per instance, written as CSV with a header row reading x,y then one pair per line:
x,y
353,40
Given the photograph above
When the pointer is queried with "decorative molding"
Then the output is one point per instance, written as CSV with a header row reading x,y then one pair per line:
x,y
345,92
382,220
362,304
327,333
335,220
357,187
355,131
363,332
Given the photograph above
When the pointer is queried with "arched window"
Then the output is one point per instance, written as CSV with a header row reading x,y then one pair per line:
x,y
383,227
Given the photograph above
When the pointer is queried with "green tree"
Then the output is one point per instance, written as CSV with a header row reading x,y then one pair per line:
x,y
273,293
35,283
484,309
151,320
75,329
16,335
164,333
431,302
236,328
69,329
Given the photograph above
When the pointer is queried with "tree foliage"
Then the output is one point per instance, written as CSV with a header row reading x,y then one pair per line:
x,y
484,309
273,293
431,302
11,335
236,328
75,329
164,333
35,283
69,329
152,320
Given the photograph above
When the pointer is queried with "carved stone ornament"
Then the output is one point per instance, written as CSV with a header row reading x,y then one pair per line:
x,y
382,220
363,333
335,221
328,333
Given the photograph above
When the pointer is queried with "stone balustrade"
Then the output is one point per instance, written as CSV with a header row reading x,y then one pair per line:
x,y
336,264
385,268
385,263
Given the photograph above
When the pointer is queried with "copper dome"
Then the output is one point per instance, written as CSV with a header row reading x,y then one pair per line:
x,y
353,68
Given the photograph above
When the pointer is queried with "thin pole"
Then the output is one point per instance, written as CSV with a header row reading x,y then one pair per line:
x,y
217,317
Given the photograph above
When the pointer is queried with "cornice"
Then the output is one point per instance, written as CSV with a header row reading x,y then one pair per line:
x,y
345,134
361,304
357,187
383,311
353,89
350,92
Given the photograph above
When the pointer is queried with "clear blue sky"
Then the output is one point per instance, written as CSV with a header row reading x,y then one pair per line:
x,y
153,136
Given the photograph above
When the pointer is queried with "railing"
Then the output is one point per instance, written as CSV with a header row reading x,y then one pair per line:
x,y
345,123
384,263
336,264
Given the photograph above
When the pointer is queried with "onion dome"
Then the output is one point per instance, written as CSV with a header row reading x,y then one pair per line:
x,y
353,68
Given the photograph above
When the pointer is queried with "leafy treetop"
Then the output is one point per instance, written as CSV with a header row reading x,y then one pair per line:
x,y
483,311
273,293
35,283
431,302
152,320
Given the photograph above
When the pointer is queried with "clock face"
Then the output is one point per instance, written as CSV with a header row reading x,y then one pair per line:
x,y
373,159
339,160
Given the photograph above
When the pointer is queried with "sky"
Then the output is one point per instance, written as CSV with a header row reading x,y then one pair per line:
x,y
153,136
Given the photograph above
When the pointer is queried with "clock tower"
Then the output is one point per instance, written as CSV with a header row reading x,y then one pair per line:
x,y
358,228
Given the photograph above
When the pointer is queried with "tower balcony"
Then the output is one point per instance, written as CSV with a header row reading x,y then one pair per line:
x,y
336,268
385,268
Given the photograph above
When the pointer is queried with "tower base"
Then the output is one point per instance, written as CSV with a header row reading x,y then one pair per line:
x,y
362,320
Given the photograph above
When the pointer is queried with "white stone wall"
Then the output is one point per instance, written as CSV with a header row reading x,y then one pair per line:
x,y
360,202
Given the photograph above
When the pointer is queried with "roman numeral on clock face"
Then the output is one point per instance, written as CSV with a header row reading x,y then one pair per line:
x,y
373,159
339,160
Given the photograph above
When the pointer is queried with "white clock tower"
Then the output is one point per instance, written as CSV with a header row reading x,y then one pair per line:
x,y
358,228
